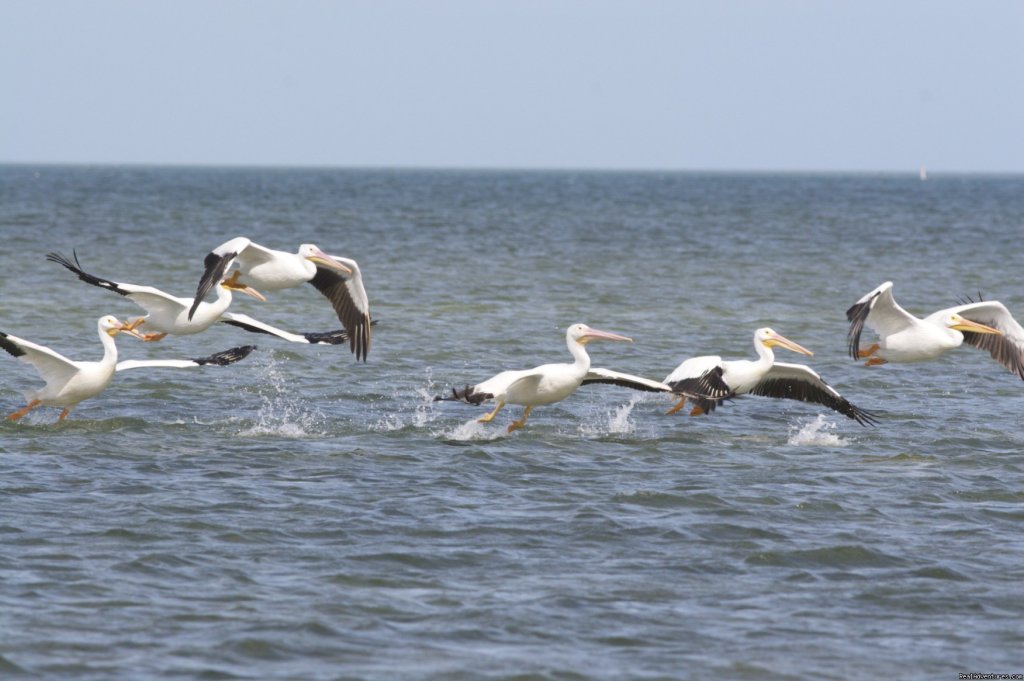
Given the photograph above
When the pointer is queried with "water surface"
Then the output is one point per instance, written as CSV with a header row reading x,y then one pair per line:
x,y
304,516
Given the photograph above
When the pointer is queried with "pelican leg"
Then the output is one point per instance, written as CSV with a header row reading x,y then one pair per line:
x,y
24,410
63,415
487,418
869,351
680,405
153,336
232,281
134,324
697,411
516,425
874,361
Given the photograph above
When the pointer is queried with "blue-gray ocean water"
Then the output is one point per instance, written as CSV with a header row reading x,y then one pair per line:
x,y
300,515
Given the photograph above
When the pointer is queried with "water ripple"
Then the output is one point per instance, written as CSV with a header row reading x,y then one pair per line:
x,y
304,515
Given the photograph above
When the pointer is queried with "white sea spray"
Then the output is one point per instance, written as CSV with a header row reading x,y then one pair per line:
x,y
618,421
283,412
819,432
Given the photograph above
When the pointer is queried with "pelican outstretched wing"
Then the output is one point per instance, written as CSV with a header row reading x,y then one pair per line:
x,y
217,262
153,300
599,375
880,311
51,365
348,297
799,382
1007,349
255,326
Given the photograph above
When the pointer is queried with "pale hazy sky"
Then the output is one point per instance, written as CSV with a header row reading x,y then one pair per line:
x,y
861,85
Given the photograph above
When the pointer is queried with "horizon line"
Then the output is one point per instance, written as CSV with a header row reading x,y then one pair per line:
x,y
917,172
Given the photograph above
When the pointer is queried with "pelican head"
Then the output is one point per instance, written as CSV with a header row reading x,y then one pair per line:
x,y
583,334
955,321
233,285
111,326
770,339
316,256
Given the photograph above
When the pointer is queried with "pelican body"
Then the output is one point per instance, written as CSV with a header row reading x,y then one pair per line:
x,y
338,279
69,382
763,376
169,315
902,337
550,383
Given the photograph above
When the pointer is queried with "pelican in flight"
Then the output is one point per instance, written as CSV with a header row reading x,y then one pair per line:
x,y
339,279
764,377
550,383
985,324
69,382
168,314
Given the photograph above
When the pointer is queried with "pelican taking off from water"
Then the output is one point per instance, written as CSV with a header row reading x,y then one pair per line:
x,y
550,383
764,377
167,314
69,382
902,337
337,278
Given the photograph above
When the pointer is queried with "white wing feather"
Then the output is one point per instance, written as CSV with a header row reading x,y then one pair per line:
x,y
499,384
52,366
145,363
250,254
990,313
246,320
695,367
886,316
601,375
156,302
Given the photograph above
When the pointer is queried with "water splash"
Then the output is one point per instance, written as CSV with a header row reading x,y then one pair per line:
x,y
616,422
424,409
473,430
283,413
819,432
427,410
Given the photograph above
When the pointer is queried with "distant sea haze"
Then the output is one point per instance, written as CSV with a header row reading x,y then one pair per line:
x,y
302,515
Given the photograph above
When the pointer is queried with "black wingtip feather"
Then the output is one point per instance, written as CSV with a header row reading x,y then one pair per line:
x,y
1001,350
335,289
10,346
339,337
467,394
214,267
76,267
227,357
804,392
857,315
706,390
327,337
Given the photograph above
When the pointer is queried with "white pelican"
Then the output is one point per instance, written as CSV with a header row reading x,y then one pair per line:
x,y
985,324
339,279
764,377
69,382
550,383
168,314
